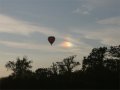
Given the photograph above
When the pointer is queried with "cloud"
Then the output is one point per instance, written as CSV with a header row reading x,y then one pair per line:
x,y
11,25
87,7
29,46
85,10
21,45
106,36
16,26
37,47
100,3
110,21
81,11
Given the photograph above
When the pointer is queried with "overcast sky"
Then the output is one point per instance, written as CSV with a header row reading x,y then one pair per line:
x,y
26,24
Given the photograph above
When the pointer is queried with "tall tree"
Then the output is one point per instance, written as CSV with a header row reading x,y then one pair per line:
x,y
20,67
113,61
107,58
67,65
43,73
115,51
95,59
54,68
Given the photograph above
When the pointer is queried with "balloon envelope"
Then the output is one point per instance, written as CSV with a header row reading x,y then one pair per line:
x,y
51,39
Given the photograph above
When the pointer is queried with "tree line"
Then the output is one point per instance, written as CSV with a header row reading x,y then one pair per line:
x,y
100,70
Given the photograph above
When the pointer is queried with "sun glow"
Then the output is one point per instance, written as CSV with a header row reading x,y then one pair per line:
x,y
67,44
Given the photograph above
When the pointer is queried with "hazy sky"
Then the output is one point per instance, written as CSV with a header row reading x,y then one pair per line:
x,y
26,24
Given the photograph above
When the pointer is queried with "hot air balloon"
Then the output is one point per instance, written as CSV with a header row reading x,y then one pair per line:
x,y
51,39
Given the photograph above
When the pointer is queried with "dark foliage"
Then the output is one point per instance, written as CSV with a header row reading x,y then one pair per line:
x,y
100,70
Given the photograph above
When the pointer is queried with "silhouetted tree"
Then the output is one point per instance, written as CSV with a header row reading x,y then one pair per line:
x,y
20,67
67,65
100,70
54,68
112,65
102,67
113,61
43,73
115,51
95,59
